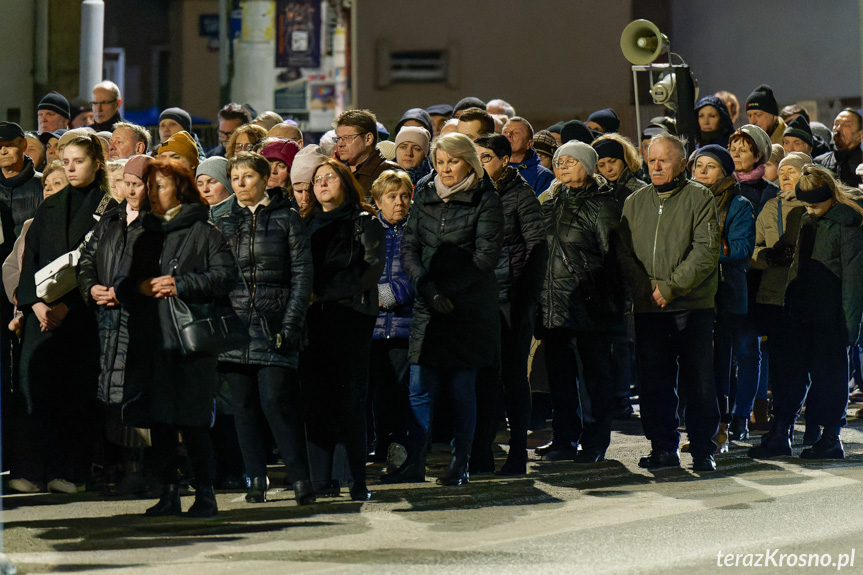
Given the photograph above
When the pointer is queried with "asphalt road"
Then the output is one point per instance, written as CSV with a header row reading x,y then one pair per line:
x,y
611,517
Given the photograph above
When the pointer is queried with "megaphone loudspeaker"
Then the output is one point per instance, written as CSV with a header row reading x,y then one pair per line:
x,y
641,42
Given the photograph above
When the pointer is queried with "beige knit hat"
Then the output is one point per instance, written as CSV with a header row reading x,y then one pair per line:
x,y
306,162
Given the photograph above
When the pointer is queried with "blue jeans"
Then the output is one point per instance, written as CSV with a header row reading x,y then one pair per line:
x,y
425,387
736,335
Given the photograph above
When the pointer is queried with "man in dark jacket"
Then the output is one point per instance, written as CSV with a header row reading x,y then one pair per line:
x,y
669,253
847,135
524,158
20,185
356,141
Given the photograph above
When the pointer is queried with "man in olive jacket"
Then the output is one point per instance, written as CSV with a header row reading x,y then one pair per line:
x,y
670,255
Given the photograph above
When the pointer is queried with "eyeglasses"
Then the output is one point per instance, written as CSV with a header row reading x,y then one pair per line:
x,y
325,178
349,138
568,163
224,133
486,158
105,103
243,147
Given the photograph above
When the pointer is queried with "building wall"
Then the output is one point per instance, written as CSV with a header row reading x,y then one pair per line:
x,y
804,50
552,60
16,89
198,65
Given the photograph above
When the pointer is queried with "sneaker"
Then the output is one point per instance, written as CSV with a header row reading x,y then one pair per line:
x,y
396,456
63,486
22,485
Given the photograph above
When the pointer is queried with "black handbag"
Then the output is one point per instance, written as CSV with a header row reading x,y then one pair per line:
x,y
205,329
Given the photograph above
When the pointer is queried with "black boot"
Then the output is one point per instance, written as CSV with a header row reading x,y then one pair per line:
x,y
827,447
775,443
169,503
413,470
257,492
304,493
482,463
457,473
515,464
205,503
739,428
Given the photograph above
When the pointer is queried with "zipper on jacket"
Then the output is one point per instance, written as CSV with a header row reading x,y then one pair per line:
x,y
550,266
252,275
656,236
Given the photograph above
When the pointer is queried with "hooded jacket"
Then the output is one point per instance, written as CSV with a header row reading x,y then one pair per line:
x,y
395,290
726,126
274,254
535,174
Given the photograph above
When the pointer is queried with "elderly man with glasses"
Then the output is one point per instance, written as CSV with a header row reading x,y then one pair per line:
x,y
356,141
106,104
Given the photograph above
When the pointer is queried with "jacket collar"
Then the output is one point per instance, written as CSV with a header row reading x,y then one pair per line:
x,y
25,175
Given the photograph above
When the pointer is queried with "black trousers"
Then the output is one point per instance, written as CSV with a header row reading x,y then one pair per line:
x,y
198,444
389,391
592,393
675,360
268,395
334,370
816,354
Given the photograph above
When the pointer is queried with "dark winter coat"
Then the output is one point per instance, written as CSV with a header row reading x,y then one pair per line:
x,y
523,234
273,250
738,234
582,288
56,231
451,248
22,194
162,386
348,252
535,174
395,290
100,264
625,186
758,193
844,164
826,275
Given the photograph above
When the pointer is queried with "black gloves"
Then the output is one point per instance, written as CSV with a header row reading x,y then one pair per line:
x,y
780,255
441,304
289,341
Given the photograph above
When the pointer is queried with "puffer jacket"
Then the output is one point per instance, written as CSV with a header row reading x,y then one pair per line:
x,y
535,174
220,210
523,233
738,233
827,272
451,249
774,279
758,193
395,290
673,244
101,263
582,288
844,164
348,252
22,193
273,251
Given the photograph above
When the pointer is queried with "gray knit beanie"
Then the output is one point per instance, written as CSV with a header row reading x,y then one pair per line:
x,y
217,168
796,159
581,152
764,147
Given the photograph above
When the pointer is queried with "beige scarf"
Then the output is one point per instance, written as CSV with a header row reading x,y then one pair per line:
x,y
445,192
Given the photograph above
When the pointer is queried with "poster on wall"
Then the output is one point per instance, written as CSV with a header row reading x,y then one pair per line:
x,y
298,33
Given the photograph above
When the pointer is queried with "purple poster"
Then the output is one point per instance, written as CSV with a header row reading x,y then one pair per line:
x,y
298,33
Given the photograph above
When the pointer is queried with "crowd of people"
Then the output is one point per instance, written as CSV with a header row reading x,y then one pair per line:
x,y
184,318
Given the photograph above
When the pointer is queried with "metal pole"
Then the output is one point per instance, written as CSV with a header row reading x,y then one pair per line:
x,y
637,107
92,45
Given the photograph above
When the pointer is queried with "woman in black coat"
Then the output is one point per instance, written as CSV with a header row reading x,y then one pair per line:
x,y
98,268
60,351
452,243
179,254
272,248
348,254
582,306
519,275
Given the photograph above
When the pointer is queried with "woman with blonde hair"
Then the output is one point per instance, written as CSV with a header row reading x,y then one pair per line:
x,y
243,139
821,317
618,162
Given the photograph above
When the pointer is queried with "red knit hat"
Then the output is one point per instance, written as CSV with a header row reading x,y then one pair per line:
x,y
283,150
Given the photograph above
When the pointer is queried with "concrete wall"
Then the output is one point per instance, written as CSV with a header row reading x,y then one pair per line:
x,y
804,50
198,66
16,89
552,60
